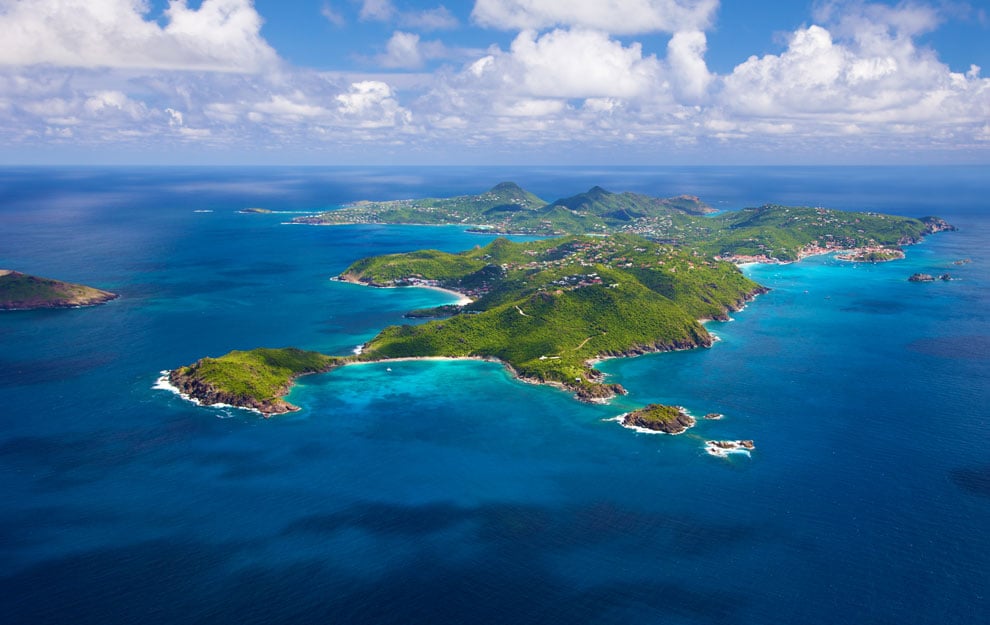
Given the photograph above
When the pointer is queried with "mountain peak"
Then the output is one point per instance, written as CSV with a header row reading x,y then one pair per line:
x,y
506,187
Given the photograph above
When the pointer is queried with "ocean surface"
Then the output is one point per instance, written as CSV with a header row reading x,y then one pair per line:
x,y
447,492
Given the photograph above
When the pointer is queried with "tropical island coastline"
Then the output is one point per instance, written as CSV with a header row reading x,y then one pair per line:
x,y
550,309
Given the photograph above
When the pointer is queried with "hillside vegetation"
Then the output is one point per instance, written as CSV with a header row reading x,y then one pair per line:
x,y
507,208
546,308
19,291
255,379
767,233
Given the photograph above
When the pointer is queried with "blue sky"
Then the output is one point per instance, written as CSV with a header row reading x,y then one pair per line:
x,y
494,82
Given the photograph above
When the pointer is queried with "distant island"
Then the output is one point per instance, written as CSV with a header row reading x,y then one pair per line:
x,y
20,291
509,209
769,233
640,277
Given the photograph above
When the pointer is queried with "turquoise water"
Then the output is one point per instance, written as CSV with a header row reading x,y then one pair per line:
x,y
447,492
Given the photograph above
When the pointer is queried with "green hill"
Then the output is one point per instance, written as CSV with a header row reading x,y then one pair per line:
x,y
255,379
504,199
768,233
507,208
19,291
546,308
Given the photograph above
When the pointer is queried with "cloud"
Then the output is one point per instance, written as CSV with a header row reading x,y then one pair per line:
x,y
377,10
874,75
856,77
221,35
408,51
688,71
856,19
371,104
569,64
331,15
612,16
438,18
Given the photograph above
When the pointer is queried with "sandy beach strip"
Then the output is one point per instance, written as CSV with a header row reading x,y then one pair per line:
x,y
462,300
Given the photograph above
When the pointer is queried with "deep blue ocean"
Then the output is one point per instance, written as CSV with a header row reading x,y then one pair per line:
x,y
447,492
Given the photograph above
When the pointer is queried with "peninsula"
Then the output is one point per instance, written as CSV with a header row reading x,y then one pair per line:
x,y
546,309
638,275
19,291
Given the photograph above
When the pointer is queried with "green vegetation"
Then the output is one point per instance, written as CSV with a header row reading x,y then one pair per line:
x,y
548,307
507,208
500,203
873,255
767,233
786,233
403,269
255,379
660,418
20,291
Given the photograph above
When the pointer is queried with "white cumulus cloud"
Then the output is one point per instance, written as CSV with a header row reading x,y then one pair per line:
x,y
688,70
221,35
873,75
371,104
570,64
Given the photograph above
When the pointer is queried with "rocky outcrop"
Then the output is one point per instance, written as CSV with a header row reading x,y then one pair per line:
x,y
207,394
659,418
937,224
596,393
724,448
640,349
927,277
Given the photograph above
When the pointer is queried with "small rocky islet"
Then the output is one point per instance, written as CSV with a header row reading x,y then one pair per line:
x,y
659,418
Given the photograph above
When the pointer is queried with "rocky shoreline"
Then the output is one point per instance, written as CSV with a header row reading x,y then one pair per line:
x,y
204,393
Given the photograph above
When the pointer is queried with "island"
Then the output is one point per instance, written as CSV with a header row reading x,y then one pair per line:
x,y
255,380
20,291
507,208
927,277
256,211
768,234
658,418
639,275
